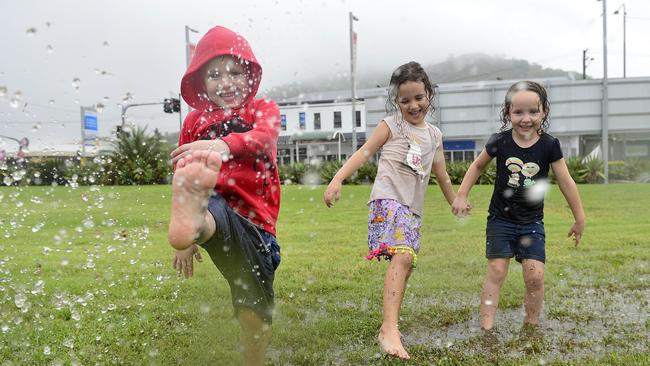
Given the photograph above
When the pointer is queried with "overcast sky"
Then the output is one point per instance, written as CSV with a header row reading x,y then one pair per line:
x,y
137,47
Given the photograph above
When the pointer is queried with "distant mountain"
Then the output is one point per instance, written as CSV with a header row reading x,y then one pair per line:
x,y
469,67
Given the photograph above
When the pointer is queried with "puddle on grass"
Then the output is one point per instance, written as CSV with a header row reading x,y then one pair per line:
x,y
579,324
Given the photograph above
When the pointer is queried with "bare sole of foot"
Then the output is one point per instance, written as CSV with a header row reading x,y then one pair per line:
x,y
192,185
391,344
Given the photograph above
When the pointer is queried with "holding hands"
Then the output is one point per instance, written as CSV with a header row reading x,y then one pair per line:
x,y
461,207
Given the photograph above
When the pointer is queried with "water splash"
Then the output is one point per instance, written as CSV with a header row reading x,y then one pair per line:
x,y
76,83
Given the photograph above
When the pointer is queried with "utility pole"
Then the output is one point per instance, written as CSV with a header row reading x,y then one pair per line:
x,y
353,94
605,111
624,38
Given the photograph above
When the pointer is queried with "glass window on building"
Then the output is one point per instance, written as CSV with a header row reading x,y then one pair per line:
x,y
283,122
316,121
301,120
635,150
358,118
457,156
448,156
337,119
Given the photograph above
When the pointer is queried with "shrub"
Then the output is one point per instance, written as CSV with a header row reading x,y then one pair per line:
x,y
329,169
456,171
367,172
139,158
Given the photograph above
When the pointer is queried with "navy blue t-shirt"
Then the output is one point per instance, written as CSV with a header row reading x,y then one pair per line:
x,y
522,174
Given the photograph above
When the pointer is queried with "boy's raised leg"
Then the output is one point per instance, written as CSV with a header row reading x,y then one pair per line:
x,y
533,271
254,337
398,272
497,270
192,185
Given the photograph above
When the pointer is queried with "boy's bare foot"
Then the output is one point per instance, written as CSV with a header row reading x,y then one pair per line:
x,y
193,182
391,344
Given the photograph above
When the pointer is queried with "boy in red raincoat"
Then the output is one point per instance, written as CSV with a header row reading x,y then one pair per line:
x,y
226,190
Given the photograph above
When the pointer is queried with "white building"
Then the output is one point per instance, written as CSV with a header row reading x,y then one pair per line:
x,y
314,124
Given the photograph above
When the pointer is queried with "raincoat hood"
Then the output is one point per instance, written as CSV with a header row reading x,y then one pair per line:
x,y
219,41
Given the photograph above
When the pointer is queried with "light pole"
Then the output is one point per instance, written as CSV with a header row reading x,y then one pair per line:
x,y
353,94
605,102
624,20
338,134
23,144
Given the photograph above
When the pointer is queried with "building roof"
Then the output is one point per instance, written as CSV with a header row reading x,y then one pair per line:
x,y
316,136
338,96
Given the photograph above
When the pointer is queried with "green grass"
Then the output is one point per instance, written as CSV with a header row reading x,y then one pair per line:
x,y
109,295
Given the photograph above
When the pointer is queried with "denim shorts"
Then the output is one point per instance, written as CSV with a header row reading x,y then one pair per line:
x,y
505,239
246,256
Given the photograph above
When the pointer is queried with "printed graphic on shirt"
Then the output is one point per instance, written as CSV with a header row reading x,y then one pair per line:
x,y
235,124
414,159
516,166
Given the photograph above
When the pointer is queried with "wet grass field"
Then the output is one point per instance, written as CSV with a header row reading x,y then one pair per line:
x,y
86,278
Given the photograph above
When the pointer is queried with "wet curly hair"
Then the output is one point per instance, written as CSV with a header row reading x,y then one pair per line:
x,y
529,86
411,71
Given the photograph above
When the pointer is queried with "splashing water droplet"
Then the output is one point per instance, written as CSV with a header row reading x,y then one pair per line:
x,y
18,174
20,299
38,227
50,49
76,83
38,287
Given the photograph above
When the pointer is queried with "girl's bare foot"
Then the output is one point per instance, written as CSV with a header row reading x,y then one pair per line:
x,y
192,185
391,344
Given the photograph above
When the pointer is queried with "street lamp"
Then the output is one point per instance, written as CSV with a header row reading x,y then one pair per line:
x,y
23,144
624,20
339,134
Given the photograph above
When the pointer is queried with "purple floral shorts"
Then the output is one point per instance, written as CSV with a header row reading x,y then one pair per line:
x,y
392,228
